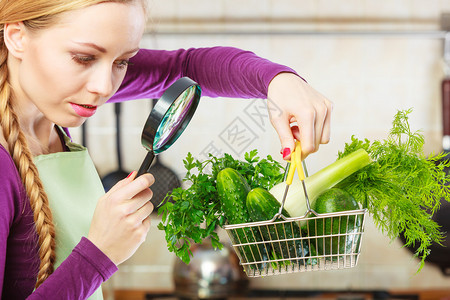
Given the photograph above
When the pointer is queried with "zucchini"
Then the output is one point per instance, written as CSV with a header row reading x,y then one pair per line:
x,y
232,189
262,206
335,229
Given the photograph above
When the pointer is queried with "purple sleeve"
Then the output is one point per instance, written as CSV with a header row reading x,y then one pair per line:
x,y
8,191
81,273
220,71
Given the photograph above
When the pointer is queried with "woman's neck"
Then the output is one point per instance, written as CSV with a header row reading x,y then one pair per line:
x,y
45,143
41,134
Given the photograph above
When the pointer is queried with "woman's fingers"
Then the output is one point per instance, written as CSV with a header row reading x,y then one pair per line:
x,y
311,127
283,129
133,194
143,212
319,128
137,202
303,113
326,132
130,187
122,183
306,122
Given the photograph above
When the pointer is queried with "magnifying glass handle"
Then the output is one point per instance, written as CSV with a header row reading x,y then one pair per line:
x,y
145,167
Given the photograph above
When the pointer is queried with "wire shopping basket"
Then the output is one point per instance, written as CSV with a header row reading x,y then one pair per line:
x,y
286,245
313,242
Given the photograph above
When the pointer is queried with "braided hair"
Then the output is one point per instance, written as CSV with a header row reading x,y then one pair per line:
x,y
36,15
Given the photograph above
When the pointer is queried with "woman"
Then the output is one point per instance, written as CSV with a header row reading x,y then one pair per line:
x,y
60,234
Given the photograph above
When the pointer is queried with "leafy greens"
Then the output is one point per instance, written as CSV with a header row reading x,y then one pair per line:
x,y
401,188
193,214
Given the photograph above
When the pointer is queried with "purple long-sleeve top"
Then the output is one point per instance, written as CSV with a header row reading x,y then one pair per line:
x,y
220,71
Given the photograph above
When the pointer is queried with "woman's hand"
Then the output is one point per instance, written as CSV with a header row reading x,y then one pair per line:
x,y
121,219
290,100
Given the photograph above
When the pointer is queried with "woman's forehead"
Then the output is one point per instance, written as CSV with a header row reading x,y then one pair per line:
x,y
106,21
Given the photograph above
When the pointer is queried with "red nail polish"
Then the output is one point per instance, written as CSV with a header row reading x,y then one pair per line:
x,y
286,152
130,174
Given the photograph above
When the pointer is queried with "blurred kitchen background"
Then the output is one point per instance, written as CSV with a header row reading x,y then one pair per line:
x,y
370,57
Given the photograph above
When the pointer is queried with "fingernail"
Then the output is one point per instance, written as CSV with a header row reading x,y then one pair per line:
x,y
130,174
286,152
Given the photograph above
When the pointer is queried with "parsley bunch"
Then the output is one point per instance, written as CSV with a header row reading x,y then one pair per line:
x,y
193,214
402,187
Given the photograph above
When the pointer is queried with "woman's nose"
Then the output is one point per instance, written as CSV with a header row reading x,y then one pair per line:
x,y
101,81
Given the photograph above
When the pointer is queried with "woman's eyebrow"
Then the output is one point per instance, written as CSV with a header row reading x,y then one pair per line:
x,y
92,45
103,50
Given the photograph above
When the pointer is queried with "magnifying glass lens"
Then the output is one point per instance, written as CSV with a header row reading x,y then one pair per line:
x,y
174,118
169,118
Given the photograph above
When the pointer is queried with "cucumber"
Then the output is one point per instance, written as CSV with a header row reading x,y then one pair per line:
x,y
335,200
232,189
262,206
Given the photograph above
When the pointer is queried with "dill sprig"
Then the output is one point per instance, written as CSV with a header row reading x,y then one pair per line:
x,y
402,187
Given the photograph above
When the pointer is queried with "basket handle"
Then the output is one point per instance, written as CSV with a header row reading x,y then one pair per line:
x,y
308,204
299,164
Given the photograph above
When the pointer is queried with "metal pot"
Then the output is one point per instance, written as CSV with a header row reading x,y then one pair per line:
x,y
211,274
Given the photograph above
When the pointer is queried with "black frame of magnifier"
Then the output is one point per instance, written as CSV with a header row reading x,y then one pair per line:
x,y
157,114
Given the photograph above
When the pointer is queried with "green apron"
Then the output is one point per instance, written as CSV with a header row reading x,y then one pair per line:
x,y
73,187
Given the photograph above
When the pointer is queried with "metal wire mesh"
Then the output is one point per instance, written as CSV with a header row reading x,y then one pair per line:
x,y
313,242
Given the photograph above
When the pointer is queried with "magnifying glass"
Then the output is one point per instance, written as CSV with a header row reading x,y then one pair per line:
x,y
168,119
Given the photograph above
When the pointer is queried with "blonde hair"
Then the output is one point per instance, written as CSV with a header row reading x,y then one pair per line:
x,y
36,15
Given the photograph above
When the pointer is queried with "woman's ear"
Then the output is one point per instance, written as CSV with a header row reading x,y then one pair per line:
x,y
14,37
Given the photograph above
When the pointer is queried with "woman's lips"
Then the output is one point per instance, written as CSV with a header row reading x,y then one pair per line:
x,y
84,110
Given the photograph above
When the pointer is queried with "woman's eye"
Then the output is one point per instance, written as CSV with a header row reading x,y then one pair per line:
x,y
83,59
122,63
87,60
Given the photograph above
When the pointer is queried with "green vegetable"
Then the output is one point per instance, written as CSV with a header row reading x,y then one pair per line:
x,y
232,190
335,200
401,186
397,183
263,206
193,213
320,181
